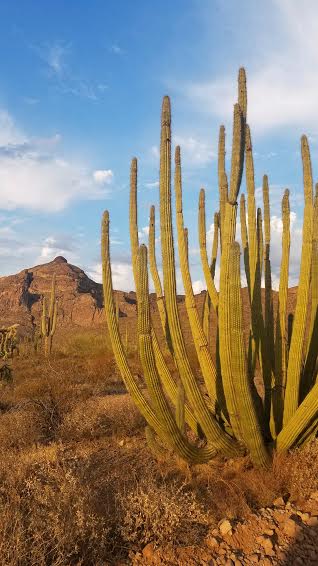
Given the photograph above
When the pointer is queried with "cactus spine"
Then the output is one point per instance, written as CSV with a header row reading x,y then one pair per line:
x,y
225,407
48,322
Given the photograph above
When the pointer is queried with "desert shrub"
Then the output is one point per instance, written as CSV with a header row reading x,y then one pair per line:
x,y
298,471
20,428
49,516
99,416
162,513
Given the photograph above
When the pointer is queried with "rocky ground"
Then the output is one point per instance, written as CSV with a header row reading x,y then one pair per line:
x,y
283,534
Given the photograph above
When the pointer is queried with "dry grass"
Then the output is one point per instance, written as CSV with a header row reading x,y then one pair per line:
x,y
79,485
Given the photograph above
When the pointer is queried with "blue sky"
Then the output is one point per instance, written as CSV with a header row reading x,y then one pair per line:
x,y
81,85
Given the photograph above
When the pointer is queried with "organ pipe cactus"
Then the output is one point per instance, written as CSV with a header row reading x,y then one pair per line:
x,y
49,319
225,409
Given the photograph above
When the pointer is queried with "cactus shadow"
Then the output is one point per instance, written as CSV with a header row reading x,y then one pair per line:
x,y
303,549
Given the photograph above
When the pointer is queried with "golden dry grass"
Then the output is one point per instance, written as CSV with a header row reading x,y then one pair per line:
x,y
78,484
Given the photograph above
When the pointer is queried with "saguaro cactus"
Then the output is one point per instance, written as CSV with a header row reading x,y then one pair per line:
x,y
225,407
49,319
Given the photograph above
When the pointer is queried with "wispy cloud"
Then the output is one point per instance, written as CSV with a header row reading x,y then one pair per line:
x,y
34,176
56,56
115,48
282,81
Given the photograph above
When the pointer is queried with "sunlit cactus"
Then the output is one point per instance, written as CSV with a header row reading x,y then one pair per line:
x,y
49,319
222,405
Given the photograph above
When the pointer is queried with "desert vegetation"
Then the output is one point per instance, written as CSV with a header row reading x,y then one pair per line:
x,y
186,433
229,415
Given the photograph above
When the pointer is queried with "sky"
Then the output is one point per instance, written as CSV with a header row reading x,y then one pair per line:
x,y
81,85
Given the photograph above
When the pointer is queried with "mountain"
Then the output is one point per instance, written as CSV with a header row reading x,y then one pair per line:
x,y
79,297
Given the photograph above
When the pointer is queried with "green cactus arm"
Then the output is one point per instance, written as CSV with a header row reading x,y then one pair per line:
x,y
209,425
281,339
117,309
239,125
244,238
133,223
242,92
52,300
186,242
297,340
207,301
180,409
155,274
308,376
269,314
222,178
169,384
203,252
237,158
117,347
199,338
162,409
251,210
54,320
260,241
240,392
167,379
304,416
43,319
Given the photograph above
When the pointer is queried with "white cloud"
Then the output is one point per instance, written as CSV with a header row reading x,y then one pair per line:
x,y
194,151
122,275
143,234
54,246
282,80
55,56
103,176
115,48
152,185
33,176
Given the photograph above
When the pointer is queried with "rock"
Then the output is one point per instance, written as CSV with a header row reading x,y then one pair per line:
x,y
312,522
211,542
148,551
121,443
225,527
304,516
267,544
279,502
269,532
291,528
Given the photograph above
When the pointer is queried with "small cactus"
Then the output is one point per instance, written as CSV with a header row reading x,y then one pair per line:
x,y
49,319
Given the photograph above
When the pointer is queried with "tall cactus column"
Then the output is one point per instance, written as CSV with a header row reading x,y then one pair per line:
x,y
48,322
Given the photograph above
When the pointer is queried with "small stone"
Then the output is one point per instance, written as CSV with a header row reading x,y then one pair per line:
x,y
225,527
291,529
212,542
269,532
304,516
148,551
267,544
121,443
312,522
279,502
254,558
